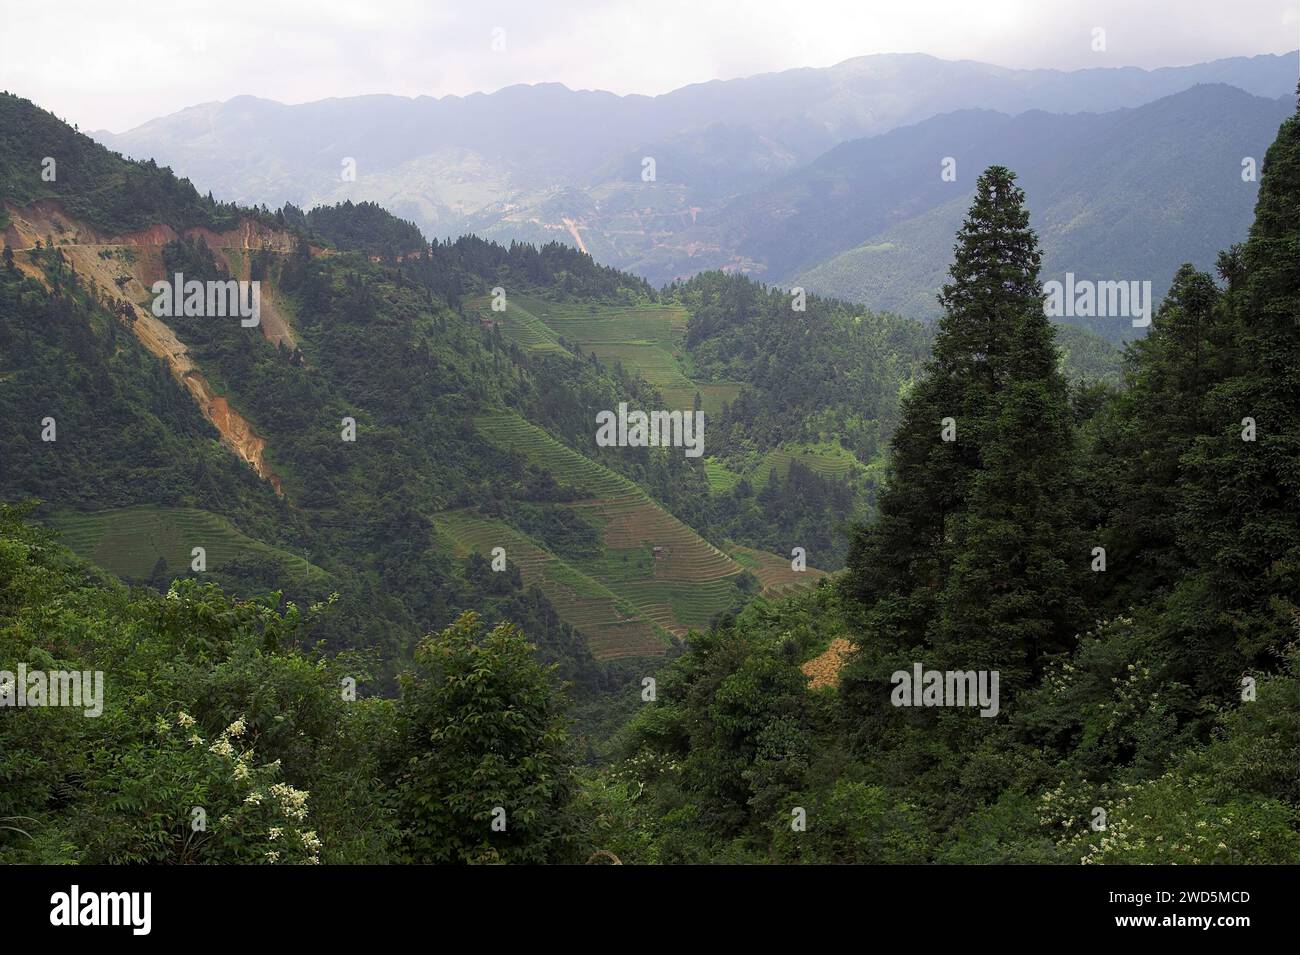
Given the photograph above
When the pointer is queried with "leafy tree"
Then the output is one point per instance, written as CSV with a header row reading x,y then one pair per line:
x,y
852,822
206,704
481,770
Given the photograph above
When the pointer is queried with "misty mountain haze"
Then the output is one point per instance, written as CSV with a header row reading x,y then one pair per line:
x,y
540,163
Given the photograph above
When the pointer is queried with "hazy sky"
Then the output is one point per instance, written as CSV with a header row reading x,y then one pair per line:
x,y
114,65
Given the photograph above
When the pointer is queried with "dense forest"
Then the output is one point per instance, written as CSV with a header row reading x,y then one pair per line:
x,y
1127,559
1118,541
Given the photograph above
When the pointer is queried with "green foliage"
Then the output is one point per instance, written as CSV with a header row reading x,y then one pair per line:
x,y
852,822
802,507
1138,439
214,705
1165,732
363,227
207,704
480,765
976,561
1163,691
1240,517
128,432
828,370
1235,800
732,733
92,184
562,530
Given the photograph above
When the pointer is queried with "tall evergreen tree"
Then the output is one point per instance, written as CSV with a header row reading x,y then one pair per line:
x,y
1242,511
1012,594
1138,440
899,562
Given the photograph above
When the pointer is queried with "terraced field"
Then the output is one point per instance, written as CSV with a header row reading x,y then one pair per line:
x,y
612,626
828,461
506,429
656,563
657,366
661,324
128,541
646,339
518,325
682,586
721,478
774,572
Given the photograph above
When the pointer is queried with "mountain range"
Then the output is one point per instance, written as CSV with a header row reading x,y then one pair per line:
x,y
774,175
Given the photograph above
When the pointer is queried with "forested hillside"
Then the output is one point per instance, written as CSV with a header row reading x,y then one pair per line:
x,y
1128,565
1095,184
435,620
384,428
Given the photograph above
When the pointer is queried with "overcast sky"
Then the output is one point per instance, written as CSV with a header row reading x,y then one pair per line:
x,y
114,65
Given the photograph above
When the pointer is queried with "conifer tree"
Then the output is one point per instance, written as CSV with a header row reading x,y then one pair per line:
x,y
898,565
976,561
1012,595
1242,509
1134,470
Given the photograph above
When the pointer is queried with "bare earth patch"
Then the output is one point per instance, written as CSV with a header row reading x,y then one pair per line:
x,y
824,669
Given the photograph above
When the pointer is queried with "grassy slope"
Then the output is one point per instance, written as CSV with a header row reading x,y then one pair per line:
x,y
774,572
518,324
129,540
689,582
612,625
646,339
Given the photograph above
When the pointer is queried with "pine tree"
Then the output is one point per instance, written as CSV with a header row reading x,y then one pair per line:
x,y
1242,508
899,564
1139,439
1012,596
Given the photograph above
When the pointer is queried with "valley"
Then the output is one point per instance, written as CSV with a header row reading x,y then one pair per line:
x,y
650,579
888,462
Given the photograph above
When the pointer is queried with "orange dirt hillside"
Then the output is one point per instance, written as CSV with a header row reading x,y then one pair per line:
x,y
824,669
131,278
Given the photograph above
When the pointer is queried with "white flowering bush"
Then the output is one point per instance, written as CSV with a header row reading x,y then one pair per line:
x,y
246,813
1171,820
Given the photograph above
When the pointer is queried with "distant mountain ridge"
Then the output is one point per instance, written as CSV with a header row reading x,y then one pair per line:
x,y
539,163
869,221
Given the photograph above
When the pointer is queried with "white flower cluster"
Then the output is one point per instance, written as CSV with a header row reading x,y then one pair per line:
x,y
293,802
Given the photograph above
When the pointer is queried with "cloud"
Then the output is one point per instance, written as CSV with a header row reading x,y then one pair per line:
x,y
106,66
